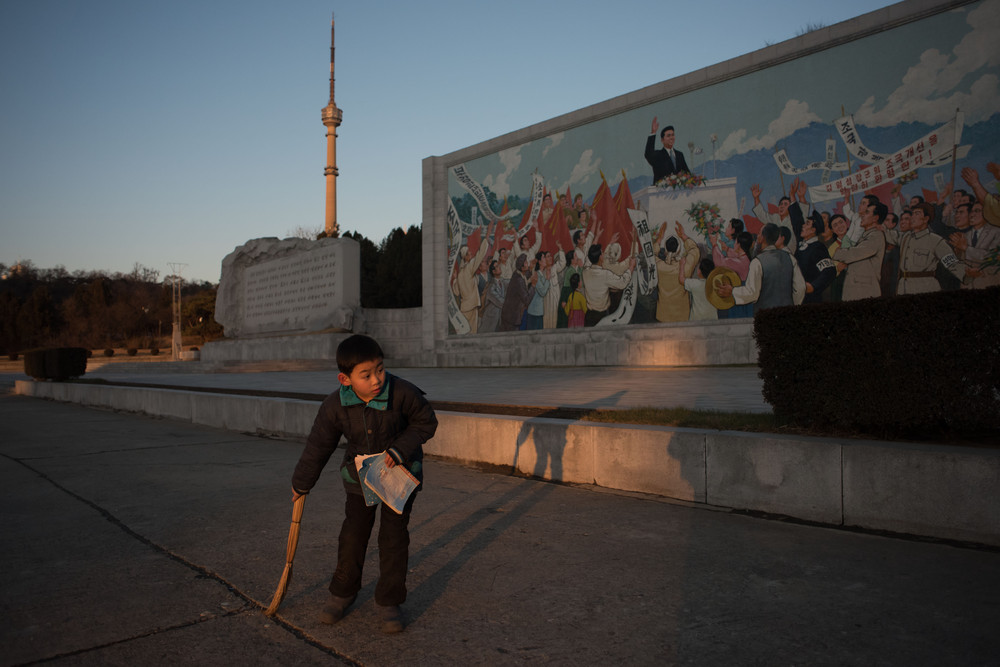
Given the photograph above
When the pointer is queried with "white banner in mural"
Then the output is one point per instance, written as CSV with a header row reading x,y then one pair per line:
x,y
786,166
477,192
926,151
455,229
831,158
537,194
644,277
849,135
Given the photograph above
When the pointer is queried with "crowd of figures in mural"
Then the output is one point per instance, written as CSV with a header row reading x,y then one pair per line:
x,y
550,272
805,210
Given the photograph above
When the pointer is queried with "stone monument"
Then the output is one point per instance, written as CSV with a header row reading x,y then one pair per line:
x,y
271,287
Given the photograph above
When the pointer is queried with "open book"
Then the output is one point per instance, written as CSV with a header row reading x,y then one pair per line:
x,y
380,483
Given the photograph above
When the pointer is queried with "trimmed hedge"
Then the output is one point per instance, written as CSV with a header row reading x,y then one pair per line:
x,y
922,364
56,363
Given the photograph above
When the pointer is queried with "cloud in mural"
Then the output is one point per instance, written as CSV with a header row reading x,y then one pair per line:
x,y
511,160
795,116
556,139
929,90
585,167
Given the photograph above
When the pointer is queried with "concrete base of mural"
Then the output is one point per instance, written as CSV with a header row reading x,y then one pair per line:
x,y
274,287
682,344
398,332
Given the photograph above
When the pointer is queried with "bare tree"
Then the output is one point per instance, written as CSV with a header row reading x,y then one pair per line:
x,y
311,233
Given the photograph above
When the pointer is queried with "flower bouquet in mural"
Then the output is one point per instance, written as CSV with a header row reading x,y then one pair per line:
x,y
706,217
907,177
680,181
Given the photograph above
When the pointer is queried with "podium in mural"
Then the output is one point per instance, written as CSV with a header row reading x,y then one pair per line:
x,y
708,205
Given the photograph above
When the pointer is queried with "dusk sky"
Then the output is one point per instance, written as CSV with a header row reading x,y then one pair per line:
x,y
150,133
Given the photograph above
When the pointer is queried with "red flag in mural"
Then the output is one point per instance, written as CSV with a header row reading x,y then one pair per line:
x,y
473,241
555,232
605,212
930,196
624,227
752,224
527,216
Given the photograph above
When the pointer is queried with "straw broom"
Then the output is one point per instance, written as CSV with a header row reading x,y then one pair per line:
x,y
293,542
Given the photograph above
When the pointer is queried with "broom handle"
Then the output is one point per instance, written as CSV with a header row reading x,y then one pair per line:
x,y
293,530
293,542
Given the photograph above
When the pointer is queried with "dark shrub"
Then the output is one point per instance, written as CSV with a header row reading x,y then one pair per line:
x,y
917,365
12,356
132,351
108,352
57,363
154,351
194,348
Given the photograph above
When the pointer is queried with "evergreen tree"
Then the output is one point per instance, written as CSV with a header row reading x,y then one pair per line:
x,y
369,265
10,307
398,279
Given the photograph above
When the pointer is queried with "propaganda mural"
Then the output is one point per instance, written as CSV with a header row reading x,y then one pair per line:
x,y
868,169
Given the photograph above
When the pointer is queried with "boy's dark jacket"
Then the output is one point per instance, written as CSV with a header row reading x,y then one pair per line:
x,y
399,420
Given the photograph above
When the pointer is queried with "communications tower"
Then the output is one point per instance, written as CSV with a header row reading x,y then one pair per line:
x,y
332,116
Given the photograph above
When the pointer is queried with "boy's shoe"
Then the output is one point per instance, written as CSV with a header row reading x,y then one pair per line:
x,y
392,619
335,609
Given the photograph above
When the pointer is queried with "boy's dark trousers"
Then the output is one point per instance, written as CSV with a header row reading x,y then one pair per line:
x,y
393,548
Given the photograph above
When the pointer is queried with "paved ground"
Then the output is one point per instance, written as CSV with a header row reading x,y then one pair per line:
x,y
131,540
735,389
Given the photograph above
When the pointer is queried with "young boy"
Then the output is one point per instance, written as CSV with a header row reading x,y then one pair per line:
x,y
376,412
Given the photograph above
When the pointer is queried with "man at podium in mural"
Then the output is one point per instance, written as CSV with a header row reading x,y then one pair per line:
x,y
666,160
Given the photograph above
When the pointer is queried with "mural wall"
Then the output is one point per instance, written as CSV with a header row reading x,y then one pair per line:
x,y
872,160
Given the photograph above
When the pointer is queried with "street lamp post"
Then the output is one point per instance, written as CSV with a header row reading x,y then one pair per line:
x,y
175,337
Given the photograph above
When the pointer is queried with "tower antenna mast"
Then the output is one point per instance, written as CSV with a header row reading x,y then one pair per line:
x,y
332,117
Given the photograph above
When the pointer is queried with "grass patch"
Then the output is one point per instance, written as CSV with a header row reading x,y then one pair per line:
x,y
686,418
769,423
